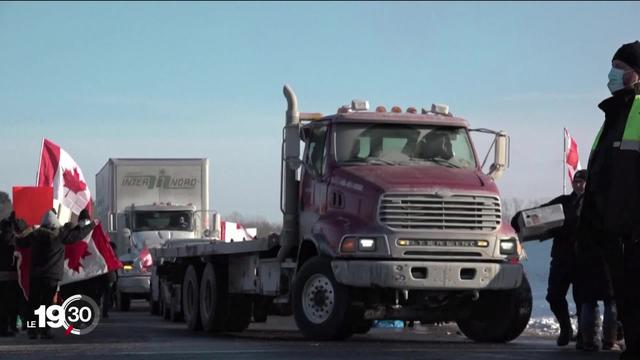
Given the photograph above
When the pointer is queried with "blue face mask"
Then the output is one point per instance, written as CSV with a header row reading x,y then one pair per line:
x,y
616,80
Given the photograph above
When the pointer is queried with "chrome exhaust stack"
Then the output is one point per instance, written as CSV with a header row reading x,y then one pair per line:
x,y
290,162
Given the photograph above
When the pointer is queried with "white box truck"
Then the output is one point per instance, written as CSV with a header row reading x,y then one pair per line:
x,y
145,202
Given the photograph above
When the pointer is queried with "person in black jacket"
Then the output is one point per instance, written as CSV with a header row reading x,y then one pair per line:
x,y
562,269
8,277
47,259
71,233
563,266
47,262
610,220
11,297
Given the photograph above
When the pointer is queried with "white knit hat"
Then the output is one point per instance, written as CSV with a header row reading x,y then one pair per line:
x,y
50,220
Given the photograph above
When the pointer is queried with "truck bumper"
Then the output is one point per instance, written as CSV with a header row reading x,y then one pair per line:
x,y
427,275
136,284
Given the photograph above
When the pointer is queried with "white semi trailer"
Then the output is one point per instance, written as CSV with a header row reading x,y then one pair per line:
x,y
145,202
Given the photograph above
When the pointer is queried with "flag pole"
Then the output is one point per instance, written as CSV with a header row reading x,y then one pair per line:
x,y
39,163
564,161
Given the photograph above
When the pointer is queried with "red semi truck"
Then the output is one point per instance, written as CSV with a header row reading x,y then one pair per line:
x,y
386,215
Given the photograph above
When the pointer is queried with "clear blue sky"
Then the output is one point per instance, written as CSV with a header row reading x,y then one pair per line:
x,y
204,80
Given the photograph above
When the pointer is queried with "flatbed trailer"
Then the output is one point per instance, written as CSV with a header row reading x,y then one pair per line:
x,y
216,285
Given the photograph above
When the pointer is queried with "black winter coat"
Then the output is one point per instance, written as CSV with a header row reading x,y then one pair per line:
x,y
564,237
611,206
612,196
7,248
47,253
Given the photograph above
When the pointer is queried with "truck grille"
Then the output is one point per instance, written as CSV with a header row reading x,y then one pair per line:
x,y
431,212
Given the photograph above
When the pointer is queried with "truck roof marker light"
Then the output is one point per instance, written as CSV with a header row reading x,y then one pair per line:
x,y
441,109
412,110
396,109
359,105
381,109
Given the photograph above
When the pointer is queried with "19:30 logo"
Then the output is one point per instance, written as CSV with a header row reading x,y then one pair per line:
x,y
78,315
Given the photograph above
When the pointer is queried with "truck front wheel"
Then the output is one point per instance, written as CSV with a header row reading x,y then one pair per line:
x,y
320,303
499,316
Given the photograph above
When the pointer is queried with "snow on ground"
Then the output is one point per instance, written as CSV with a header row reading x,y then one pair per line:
x,y
546,326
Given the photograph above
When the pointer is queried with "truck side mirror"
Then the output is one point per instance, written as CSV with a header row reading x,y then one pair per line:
x,y
125,236
501,155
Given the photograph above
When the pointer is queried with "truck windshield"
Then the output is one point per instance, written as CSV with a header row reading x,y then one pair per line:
x,y
401,144
163,220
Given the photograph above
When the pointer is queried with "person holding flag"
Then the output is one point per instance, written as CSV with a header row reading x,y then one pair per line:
x,y
50,255
47,262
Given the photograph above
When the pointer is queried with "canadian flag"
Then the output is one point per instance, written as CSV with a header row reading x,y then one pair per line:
x,y
84,259
572,157
59,170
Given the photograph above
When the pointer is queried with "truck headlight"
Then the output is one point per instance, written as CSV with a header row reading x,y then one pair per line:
x,y
367,244
508,247
356,244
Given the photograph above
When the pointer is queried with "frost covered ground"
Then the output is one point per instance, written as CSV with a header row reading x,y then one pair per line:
x,y
542,322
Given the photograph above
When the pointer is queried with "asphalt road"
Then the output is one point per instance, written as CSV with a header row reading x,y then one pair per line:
x,y
138,335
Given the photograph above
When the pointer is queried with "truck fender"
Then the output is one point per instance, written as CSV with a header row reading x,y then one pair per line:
x,y
315,245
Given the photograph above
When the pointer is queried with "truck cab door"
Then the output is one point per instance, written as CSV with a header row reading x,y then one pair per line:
x,y
314,181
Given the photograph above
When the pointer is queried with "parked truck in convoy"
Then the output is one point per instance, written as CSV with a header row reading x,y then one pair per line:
x,y
145,202
386,215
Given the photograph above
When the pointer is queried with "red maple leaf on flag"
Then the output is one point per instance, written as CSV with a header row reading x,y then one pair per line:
x,y
72,181
74,253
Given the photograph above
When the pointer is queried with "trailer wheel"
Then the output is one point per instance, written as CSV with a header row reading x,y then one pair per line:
x,y
166,306
166,310
320,303
213,301
123,300
190,298
239,313
174,314
154,306
499,316
160,307
160,300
